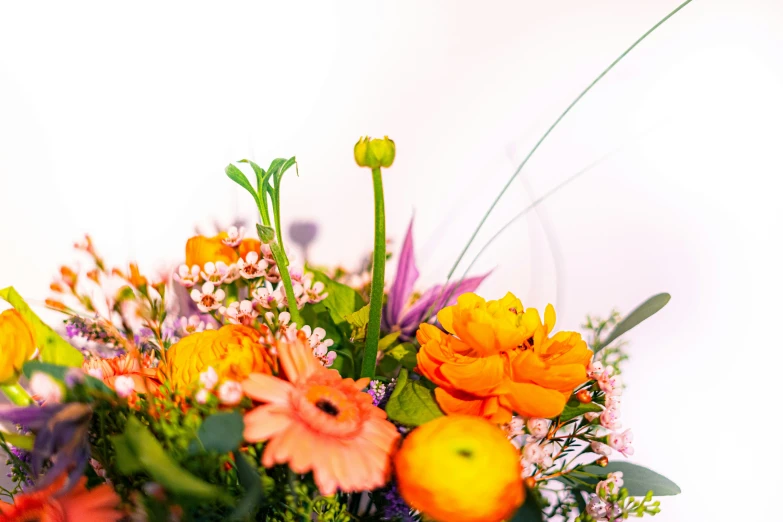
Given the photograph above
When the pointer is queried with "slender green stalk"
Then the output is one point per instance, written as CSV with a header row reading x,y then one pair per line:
x,y
549,131
282,267
16,394
376,290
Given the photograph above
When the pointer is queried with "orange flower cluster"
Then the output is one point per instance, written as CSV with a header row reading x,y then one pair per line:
x,y
200,250
498,358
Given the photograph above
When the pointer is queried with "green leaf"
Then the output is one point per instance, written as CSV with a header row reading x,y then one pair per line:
x,y
238,177
574,408
638,480
24,442
126,460
153,459
220,432
58,372
265,233
530,510
405,354
644,311
53,348
250,480
358,321
341,302
387,341
412,403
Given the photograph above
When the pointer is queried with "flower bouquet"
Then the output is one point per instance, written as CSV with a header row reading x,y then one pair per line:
x,y
242,385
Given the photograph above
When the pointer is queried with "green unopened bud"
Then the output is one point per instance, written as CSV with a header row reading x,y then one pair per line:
x,y
374,152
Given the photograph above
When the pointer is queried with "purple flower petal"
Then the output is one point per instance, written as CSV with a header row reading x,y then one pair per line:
x,y
434,300
404,279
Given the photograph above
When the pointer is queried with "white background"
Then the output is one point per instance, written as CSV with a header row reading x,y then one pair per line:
x,y
117,119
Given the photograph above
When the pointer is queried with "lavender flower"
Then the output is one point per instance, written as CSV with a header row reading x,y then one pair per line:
x,y
395,507
398,315
61,432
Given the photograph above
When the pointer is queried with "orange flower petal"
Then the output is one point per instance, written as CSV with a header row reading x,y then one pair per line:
x,y
264,422
451,404
297,361
480,377
531,400
265,388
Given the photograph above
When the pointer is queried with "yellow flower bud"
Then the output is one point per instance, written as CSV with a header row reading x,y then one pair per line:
x,y
17,344
374,152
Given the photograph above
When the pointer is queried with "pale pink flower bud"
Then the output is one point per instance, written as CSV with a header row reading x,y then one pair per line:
x,y
208,378
230,393
538,428
202,396
45,388
124,386
600,448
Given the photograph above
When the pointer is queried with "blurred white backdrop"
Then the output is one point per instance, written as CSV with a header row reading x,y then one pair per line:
x,y
118,120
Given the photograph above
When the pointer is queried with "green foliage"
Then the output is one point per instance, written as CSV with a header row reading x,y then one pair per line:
x,y
574,408
412,403
251,482
358,321
403,354
530,510
58,372
637,316
53,348
138,450
638,480
220,432
238,177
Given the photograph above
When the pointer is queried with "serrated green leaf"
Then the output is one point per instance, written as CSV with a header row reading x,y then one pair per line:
x,y
53,348
642,312
574,408
238,177
638,480
412,403
158,464
358,321
220,432
250,480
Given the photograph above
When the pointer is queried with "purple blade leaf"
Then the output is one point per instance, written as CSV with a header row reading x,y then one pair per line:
x,y
435,299
404,279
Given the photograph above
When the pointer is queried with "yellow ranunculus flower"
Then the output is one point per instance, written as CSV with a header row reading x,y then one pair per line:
x,y
234,351
460,469
17,344
200,250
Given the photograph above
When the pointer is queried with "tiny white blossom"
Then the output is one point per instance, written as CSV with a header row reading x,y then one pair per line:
x,y
234,236
208,378
251,267
240,313
538,428
215,273
202,396
208,298
187,276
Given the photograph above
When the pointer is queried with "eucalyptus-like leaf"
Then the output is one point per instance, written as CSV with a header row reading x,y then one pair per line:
x,y
638,480
644,311
250,480
238,177
220,432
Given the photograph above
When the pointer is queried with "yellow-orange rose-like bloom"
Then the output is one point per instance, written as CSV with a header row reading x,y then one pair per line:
x,y
500,359
200,250
234,351
460,469
17,344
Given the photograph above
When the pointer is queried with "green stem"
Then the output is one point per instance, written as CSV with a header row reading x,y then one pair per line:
x,y
376,290
293,309
16,394
549,131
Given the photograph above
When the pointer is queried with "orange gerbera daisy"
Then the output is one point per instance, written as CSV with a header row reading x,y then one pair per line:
x,y
131,364
317,421
99,504
501,359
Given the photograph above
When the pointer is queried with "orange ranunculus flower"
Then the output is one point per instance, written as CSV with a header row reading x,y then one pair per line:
x,y
234,351
200,250
136,366
500,359
249,245
17,344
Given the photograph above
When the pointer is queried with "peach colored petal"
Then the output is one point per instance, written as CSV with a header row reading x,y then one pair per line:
x,y
360,384
265,388
264,422
297,360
